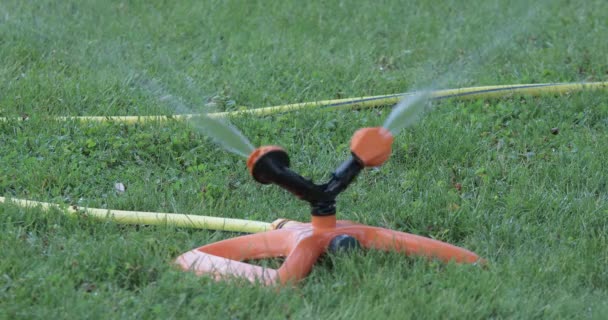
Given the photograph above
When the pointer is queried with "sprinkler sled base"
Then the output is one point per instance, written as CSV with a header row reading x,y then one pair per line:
x,y
301,244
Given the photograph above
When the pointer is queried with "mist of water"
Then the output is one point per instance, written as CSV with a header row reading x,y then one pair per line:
x,y
519,17
410,109
222,132
407,112
226,135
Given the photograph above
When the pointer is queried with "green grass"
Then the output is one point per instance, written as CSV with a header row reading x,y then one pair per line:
x,y
535,204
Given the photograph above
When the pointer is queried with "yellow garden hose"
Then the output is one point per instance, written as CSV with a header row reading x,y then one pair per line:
x,y
151,218
484,92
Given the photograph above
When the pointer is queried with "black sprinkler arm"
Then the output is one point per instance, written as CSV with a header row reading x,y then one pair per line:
x,y
273,167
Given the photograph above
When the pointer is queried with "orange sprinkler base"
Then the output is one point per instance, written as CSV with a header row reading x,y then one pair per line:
x,y
302,244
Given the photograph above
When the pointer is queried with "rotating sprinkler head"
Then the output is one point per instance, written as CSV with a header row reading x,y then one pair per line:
x,y
370,147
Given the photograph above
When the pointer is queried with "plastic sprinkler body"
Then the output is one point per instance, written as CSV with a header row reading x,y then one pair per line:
x,y
303,243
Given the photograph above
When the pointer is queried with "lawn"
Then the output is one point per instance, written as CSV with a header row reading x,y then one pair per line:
x,y
521,180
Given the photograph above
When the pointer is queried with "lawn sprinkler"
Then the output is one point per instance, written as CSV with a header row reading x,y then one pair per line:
x,y
301,244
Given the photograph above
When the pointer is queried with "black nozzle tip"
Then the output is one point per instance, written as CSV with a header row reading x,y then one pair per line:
x,y
269,165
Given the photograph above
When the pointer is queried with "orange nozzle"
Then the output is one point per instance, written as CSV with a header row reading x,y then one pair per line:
x,y
372,145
